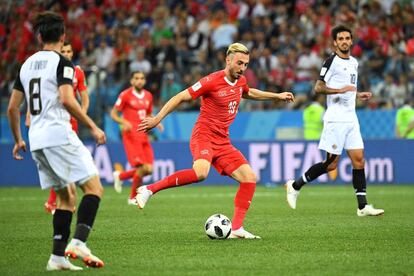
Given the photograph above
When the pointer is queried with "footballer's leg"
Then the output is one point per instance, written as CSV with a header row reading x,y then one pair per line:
x,y
360,185
61,230
143,170
247,179
199,172
202,154
87,211
293,186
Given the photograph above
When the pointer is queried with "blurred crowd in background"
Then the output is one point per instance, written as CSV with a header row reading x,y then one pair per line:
x,y
177,42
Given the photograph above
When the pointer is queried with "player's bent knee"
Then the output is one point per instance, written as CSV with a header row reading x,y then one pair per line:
x,y
93,186
359,164
201,175
250,177
66,199
201,168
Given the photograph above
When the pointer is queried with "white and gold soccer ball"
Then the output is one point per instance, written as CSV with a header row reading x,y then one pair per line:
x,y
218,226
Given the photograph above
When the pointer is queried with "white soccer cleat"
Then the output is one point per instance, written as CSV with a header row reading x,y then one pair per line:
x,y
242,234
369,210
143,195
60,263
132,201
291,194
78,250
117,182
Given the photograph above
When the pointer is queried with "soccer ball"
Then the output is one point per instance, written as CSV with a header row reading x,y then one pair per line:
x,y
218,226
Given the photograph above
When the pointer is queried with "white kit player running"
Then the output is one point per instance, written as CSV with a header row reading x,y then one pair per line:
x,y
338,80
45,81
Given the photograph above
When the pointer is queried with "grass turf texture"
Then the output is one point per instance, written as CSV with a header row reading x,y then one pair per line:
x,y
323,236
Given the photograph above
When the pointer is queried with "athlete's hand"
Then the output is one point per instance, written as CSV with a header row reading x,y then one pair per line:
x,y
286,96
160,127
126,126
348,88
364,96
21,145
98,135
148,124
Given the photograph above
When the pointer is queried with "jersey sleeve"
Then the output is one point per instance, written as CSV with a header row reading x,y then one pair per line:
x,y
81,81
65,72
326,70
120,102
201,87
18,83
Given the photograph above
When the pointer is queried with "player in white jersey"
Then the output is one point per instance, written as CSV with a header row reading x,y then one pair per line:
x,y
338,80
45,80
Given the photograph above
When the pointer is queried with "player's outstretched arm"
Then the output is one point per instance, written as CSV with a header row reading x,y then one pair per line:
x,y
321,88
72,106
13,114
259,95
151,122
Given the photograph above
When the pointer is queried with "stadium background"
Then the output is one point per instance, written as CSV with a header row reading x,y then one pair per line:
x,y
177,42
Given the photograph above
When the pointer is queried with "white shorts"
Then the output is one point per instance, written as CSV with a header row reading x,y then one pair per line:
x,y
337,136
61,165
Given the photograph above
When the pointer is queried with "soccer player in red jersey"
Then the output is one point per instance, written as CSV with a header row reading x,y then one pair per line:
x,y
135,104
80,90
210,144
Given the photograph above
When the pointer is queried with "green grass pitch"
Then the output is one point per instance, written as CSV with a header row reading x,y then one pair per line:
x,y
323,236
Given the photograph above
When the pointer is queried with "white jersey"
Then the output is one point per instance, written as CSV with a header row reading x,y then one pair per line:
x,y
338,72
39,78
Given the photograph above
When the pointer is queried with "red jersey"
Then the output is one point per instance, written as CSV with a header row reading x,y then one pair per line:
x,y
79,82
220,100
79,86
134,106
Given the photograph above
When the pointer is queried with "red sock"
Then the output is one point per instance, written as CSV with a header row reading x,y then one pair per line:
x,y
136,182
242,202
52,197
127,174
179,178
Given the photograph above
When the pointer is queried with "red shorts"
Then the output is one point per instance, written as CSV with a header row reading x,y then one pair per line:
x,y
225,158
138,149
74,124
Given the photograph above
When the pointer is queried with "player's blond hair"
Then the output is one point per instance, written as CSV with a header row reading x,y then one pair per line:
x,y
237,48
